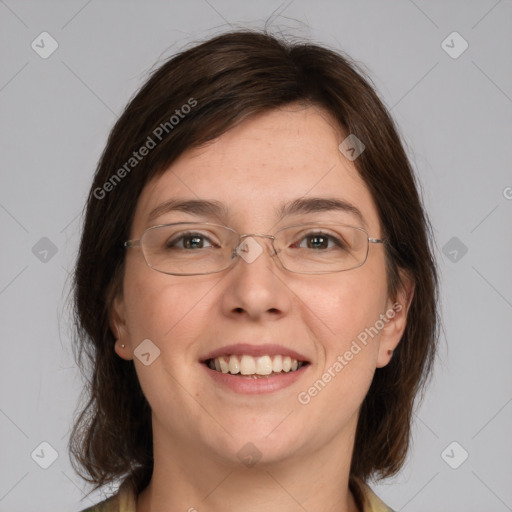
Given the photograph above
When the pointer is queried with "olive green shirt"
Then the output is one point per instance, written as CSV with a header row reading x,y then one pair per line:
x,y
125,500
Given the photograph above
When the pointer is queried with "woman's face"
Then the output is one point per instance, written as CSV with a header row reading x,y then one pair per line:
x,y
268,161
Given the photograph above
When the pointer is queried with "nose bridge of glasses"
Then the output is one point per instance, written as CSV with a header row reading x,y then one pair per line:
x,y
259,235
249,248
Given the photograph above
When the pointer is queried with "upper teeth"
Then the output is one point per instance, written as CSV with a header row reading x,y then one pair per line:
x,y
248,365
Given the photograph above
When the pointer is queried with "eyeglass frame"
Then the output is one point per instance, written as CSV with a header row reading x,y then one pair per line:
x,y
138,243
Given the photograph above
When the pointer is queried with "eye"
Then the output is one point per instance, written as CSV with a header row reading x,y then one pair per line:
x,y
189,241
319,240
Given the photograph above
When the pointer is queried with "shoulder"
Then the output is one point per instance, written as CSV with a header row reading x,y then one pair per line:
x,y
109,505
371,502
123,501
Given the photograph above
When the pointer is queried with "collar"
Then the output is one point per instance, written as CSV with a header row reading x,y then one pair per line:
x,y
371,502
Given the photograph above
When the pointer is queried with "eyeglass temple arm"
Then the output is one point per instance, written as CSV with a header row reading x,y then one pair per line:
x,y
131,243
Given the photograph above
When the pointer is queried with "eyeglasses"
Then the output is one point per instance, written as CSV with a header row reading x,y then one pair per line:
x,y
190,248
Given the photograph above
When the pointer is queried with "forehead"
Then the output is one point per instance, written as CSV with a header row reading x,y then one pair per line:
x,y
270,159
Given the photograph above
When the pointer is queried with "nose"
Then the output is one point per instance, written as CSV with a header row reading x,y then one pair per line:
x,y
254,287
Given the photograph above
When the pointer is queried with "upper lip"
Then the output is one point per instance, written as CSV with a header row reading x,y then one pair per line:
x,y
240,349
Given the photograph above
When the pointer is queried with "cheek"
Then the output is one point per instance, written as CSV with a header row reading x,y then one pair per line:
x,y
166,308
172,314
343,323
344,306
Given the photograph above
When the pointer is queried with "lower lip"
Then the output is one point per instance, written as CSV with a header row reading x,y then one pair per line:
x,y
251,386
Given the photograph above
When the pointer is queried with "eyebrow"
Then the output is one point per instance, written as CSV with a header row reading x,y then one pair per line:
x,y
212,208
305,205
192,206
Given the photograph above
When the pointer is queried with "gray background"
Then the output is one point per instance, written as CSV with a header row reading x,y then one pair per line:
x,y
455,117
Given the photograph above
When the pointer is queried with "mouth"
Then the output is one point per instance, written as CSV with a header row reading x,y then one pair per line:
x,y
255,367
252,369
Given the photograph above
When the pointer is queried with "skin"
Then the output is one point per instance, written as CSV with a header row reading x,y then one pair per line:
x,y
199,427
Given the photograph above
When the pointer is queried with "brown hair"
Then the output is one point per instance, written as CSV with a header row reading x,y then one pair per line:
x,y
226,80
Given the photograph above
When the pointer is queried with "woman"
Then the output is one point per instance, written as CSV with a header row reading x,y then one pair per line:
x,y
254,289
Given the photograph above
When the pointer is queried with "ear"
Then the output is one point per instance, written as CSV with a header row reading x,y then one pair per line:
x,y
395,319
117,322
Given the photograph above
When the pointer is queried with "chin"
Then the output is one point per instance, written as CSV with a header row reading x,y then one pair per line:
x,y
257,442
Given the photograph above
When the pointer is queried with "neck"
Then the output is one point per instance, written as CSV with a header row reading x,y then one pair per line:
x,y
187,478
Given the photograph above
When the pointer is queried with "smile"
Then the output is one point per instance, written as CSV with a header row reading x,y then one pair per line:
x,y
246,365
